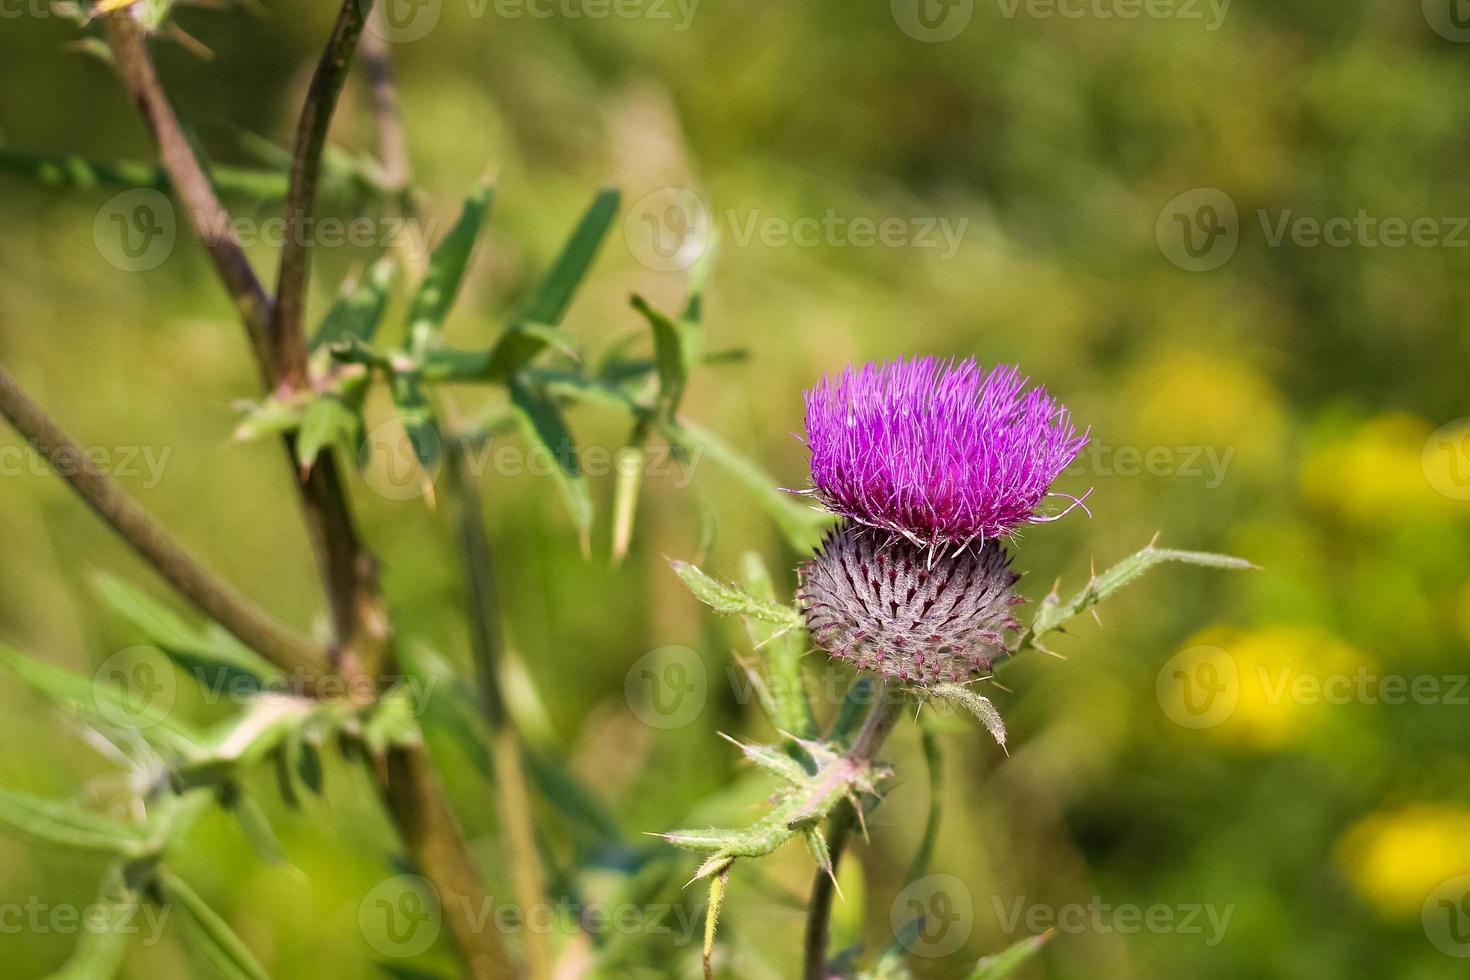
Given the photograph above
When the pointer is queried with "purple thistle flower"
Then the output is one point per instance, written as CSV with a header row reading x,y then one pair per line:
x,y
940,452
884,604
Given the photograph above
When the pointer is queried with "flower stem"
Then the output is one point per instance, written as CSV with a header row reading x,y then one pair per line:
x,y
252,625
512,796
877,726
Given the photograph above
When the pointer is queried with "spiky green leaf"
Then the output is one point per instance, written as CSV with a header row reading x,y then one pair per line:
x,y
1053,613
733,601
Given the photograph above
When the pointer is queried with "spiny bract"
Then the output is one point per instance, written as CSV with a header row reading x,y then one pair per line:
x,y
886,605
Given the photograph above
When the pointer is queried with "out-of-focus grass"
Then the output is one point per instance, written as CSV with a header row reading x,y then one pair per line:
x,y
1288,395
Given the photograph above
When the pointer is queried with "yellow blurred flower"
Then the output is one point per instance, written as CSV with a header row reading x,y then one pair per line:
x,y
1265,688
1378,473
1395,859
1189,398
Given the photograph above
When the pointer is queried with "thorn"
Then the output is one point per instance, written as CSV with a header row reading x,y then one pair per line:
x,y
1153,540
1095,615
832,874
857,806
1049,652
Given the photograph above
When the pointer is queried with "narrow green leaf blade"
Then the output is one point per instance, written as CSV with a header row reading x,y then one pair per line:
x,y
207,935
801,523
676,351
359,308
440,286
210,656
257,829
103,945
100,704
548,304
545,424
1005,963
416,415
70,827
783,649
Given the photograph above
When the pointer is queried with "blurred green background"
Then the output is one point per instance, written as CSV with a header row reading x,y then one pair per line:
x,y
1272,397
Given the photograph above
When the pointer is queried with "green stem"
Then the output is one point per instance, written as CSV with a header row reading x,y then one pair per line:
x,y
254,626
877,726
513,798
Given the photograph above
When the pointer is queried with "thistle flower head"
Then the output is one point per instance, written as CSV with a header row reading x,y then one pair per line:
x,y
884,604
941,452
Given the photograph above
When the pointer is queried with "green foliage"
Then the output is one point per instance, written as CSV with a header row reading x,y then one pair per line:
x,y
208,937
1053,612
804,800
1009,960
732,601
